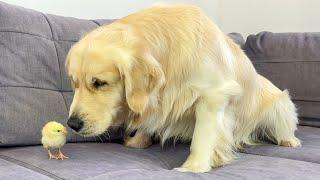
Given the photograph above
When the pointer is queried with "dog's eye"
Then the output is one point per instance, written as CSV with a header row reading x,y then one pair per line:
x,y
98,83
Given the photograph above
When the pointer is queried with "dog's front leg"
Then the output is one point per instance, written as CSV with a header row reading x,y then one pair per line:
x,y
212,130
204,139
139,140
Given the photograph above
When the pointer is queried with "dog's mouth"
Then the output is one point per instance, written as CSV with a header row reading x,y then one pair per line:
x,y
89,131
85,133
93,127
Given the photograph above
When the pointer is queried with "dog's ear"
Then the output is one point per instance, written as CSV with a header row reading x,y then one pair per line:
x,y
143,78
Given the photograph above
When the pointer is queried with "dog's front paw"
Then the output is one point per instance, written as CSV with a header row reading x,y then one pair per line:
x,y
292,142
138,141
194,167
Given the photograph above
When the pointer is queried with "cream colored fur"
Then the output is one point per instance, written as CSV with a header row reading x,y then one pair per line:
x,y
176,75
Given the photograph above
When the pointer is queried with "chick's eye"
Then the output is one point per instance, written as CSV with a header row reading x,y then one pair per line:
x,y
58,130
98,83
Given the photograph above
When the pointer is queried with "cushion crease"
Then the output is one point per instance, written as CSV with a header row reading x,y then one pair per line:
x,y
55,46
30,166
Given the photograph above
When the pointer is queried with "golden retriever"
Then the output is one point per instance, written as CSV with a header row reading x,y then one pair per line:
x,y
169,71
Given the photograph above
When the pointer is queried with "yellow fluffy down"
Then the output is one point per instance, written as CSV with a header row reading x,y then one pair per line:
x,y
53,135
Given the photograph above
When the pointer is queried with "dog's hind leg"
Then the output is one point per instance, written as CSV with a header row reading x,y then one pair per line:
x,y
280,121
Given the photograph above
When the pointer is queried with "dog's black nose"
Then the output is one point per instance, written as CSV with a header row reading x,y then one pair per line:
x,y
75,123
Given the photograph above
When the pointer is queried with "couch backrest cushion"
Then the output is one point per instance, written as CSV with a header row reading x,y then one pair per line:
x,y
237,38
291,61
33,84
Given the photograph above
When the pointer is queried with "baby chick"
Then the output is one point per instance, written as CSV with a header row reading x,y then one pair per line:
x,y
54,136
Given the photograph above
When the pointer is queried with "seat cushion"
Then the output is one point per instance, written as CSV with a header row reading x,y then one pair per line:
x,y
114,161
291,61
310,150
10,170
102,161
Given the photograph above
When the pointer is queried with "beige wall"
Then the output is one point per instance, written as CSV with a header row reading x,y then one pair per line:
x,y
252,16
245,16
93,9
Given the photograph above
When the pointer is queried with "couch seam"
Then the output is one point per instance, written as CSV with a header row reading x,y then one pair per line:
x,y
95,22
30,167
305,100
65,102
60,71
30,87
279,157
55,46
58,91
263,61
133,169
141,163
19,32
308,124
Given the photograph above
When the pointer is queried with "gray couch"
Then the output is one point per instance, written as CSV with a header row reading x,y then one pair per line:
x,y
34,89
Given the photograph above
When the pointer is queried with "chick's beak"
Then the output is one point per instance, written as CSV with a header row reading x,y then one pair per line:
x,y
64,131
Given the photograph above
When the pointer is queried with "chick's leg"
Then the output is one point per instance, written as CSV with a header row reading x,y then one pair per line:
x,y
61,155
51,156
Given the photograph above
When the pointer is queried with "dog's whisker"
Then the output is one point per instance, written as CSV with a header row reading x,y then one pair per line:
x,y
109,136
115,126
76,138
100,138
103,135
106,138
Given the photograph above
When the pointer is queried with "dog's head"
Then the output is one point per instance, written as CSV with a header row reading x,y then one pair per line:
x,y
106,73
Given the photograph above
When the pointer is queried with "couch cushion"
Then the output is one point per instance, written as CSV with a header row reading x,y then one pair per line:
x,y
237,38
10,170
114,161
310,150
33,84
291,61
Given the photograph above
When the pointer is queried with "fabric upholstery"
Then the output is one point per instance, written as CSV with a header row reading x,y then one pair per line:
x,y
33,84
291,61
309,151
237,38
10,170
114,161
